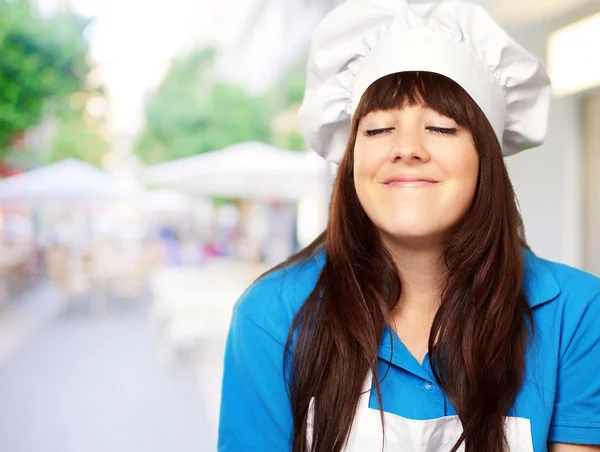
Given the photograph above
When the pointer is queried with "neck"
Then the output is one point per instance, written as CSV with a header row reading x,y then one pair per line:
x,y
422,274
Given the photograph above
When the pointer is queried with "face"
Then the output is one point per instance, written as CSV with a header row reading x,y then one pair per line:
x,y
415,172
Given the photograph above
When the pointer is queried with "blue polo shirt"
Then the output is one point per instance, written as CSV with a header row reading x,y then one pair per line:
x,y
560,394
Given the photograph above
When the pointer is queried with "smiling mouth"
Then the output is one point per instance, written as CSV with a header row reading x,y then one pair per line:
x,y
420,183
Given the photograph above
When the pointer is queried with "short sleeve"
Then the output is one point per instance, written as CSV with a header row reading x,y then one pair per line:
x,y
255,413
576,414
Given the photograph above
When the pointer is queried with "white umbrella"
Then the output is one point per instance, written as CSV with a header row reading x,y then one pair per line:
x,y
69,180
245,170
166,201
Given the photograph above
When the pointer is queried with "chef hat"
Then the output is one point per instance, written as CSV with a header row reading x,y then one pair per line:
x,y
363,40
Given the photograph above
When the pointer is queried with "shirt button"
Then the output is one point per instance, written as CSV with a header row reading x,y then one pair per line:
x,y
428,385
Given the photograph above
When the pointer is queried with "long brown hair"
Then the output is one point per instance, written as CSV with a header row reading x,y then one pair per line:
x,y
482,321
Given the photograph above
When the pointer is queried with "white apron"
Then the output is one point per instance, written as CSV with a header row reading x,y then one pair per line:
x,y
409,435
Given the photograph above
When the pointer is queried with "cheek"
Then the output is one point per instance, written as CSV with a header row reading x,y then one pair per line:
x,y
366,167
466,173
463,176
366,163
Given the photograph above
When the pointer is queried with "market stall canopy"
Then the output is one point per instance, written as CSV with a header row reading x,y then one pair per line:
x,y
166,201
68,180
245,170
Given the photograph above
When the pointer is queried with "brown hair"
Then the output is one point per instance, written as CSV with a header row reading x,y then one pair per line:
x,y
483,316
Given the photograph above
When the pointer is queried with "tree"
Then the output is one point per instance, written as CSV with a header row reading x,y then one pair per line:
x,y
43,63
78,135
191,113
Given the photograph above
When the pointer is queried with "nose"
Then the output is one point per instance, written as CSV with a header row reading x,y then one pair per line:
x,y
409,145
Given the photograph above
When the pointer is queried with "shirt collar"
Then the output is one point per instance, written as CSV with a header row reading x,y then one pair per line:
x,y
392,350
539,283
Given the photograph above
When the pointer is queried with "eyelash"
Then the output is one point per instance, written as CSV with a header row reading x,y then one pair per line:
x,y
442,130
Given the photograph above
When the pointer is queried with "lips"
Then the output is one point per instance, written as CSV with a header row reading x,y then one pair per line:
x,y
410,181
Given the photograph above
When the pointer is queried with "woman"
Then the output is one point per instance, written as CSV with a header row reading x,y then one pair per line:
x,y
419,320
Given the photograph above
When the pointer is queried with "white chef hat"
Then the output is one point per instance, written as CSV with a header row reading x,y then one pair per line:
x,y
361,41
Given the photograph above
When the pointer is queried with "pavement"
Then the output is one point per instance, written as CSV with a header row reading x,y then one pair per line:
x,y
28,315
75,382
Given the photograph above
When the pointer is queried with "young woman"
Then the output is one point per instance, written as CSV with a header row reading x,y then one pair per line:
x,y
419,320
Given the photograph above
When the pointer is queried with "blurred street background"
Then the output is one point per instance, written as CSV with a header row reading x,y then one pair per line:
x,y
151,167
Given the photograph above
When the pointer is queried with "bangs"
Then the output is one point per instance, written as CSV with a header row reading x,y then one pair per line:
x,y
407,89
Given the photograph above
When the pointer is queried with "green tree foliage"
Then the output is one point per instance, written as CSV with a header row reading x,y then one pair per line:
x,y
79,136
42,63
191,112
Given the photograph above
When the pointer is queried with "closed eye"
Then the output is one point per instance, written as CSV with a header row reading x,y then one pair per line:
x,y
443,130
374,132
